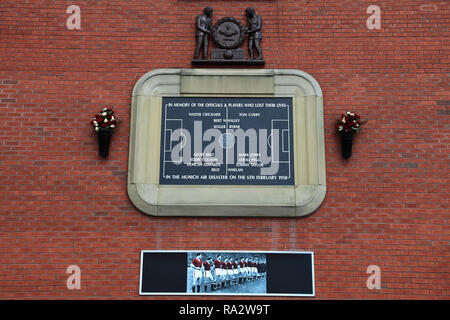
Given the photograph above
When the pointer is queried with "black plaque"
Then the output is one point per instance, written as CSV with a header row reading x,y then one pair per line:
x,y
226,141
260,273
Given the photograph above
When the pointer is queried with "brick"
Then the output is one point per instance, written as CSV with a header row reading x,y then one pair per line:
x,y
61,205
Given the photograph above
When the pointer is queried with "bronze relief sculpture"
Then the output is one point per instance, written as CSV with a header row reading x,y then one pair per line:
x,y
228,34
204,26
254,25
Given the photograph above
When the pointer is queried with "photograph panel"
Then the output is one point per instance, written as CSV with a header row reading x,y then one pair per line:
x,y
226,272
221,272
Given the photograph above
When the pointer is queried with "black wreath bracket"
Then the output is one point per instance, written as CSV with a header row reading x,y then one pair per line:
x,y
228,34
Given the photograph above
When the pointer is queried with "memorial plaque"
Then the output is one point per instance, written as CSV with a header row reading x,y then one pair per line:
x,y
226,141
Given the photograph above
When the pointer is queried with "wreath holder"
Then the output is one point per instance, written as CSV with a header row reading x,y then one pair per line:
x,y
347,125
104,140
346,144
104,123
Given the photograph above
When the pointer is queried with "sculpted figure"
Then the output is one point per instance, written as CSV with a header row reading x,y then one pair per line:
x,y
204,27
254,24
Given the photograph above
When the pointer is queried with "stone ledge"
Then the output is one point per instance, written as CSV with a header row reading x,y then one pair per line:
x,y
233,62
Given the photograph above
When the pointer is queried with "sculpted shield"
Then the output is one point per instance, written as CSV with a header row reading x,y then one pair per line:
x,y
228,33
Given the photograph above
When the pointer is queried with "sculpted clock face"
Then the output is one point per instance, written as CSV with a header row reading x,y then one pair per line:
x,y
228,33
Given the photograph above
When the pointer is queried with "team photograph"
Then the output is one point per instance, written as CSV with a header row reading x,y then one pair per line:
x,y
226,273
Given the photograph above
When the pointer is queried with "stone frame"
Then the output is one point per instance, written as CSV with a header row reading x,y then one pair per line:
x,y
304,197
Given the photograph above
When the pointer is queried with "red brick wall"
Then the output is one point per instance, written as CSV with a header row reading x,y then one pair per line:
x,y
61,204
